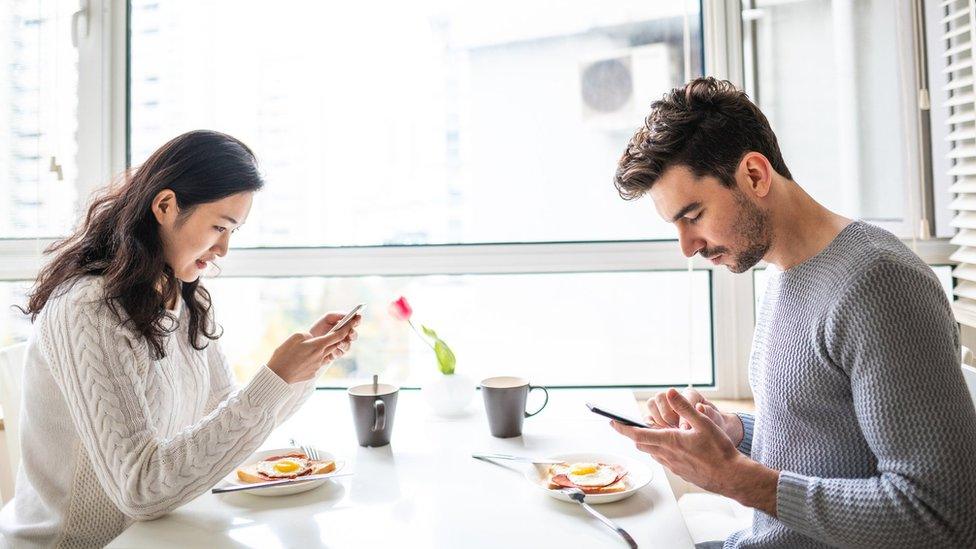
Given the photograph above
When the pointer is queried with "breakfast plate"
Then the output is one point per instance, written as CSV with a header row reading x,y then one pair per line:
x,y
255,463
602,468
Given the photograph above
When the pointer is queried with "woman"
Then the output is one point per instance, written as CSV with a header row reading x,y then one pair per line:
x,y
129,406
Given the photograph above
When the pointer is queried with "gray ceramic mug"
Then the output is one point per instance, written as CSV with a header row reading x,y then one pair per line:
x,y
505,399
372,412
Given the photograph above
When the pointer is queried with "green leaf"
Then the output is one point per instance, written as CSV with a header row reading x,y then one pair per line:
x,y
430,333
445,357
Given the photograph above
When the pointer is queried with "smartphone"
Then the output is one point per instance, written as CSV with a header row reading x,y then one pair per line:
x,y
346,319
618,417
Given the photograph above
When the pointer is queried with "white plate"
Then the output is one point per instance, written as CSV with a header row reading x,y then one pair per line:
x,y
638,475
287,489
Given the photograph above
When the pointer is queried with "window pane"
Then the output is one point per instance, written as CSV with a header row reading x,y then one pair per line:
x,y
14,325
561,329
820,66
38,118
440,122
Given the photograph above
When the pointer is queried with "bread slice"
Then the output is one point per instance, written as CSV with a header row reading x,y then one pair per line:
x,y
249,472
618,486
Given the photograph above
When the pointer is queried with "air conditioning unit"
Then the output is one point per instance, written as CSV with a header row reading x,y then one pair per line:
x,y
616,90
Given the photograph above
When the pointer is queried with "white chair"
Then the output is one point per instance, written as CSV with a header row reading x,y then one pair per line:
x,y
11,372
711,517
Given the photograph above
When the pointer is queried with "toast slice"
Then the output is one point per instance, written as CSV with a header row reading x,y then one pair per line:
x,y
249,473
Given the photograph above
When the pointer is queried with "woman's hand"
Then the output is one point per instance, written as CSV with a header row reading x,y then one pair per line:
x,y
301,356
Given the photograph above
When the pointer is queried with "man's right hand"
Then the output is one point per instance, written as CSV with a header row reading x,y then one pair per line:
x,y
659,412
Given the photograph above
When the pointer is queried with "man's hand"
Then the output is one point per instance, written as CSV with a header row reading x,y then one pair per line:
x,y
705,455
659,412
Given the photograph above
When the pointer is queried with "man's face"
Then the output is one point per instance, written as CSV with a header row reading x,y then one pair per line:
x,y
716,222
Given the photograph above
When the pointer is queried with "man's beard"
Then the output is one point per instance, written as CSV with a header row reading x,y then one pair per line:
x,y
753,227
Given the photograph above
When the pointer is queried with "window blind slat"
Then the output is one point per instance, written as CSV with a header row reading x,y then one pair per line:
x,y
955,15
959,66
962,134
963,185
965,272
964,255
965,289
960,30
964,220
960,99
962,151
963,168
964,202
961,117
955,84
959,48
965,237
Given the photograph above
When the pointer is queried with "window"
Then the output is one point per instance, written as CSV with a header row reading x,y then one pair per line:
x,y
438,124
557,329
38,121
816,68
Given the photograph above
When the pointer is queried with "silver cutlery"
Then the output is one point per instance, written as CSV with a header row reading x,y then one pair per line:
x,y
309,451
516,458
578,496
258,486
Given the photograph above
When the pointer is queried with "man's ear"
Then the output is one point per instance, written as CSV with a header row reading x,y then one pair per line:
x,y
164,207
755,174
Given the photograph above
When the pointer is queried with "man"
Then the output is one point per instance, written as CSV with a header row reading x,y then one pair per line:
x,y
864,434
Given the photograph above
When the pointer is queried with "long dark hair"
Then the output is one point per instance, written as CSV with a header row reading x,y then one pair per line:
x,y
119,237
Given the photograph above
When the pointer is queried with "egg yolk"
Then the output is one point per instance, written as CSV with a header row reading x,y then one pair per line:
x,y
583,469
286,466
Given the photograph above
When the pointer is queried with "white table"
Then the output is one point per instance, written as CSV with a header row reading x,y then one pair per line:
x,y
425,490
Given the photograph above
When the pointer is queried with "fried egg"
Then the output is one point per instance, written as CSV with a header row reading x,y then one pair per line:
x,y
588,474
283,467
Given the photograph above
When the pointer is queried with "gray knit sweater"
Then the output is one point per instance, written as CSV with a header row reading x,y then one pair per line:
x,y
861,403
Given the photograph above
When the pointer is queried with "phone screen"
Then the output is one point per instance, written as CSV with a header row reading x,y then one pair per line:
x,y
348,318
622,419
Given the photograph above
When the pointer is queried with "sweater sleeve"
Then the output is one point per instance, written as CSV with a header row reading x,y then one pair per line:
x,y
99,367
894,335
748,420
224,384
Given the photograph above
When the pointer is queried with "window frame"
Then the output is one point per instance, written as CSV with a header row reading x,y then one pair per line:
x,y
103,121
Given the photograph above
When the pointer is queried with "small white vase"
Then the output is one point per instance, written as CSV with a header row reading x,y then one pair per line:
x,y
449,395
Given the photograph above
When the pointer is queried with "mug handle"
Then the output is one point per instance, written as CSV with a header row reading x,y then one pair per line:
x,y
379,415
544,390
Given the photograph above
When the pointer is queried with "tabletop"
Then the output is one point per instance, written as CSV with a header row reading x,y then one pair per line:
x,y
425,489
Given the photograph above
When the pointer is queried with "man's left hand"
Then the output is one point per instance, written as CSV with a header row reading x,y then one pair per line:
x,y
704,455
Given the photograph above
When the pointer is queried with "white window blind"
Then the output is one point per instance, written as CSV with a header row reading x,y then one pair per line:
x,y
960,103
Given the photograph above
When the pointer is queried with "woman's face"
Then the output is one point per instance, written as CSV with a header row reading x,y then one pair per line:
x,y
191,240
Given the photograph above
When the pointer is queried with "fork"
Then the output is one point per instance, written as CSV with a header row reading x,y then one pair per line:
x,y
309,451
578,496
515,458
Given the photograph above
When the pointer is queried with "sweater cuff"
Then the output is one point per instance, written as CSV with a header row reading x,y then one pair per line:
x,y
266,390
747,422
791,500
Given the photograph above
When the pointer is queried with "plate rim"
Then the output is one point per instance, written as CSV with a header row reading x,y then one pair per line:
x,y
532,477
232,480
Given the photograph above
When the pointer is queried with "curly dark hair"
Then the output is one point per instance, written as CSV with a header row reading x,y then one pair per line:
x,y
708,126
119,237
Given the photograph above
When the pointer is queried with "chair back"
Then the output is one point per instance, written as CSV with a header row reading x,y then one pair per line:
x,y
11,376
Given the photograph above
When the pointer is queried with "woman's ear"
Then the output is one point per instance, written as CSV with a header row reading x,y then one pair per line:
x,y
164,207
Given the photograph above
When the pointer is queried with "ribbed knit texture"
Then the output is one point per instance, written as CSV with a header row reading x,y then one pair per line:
x,y
861,403
109,435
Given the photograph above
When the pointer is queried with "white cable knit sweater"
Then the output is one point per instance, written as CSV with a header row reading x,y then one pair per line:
x,y
109,435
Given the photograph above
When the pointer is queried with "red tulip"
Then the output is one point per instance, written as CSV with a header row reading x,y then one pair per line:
x,y
400,309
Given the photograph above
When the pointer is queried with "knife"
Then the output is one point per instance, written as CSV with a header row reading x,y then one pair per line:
x,y
259,485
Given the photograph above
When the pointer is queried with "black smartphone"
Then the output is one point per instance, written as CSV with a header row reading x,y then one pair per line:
x,y
618,417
